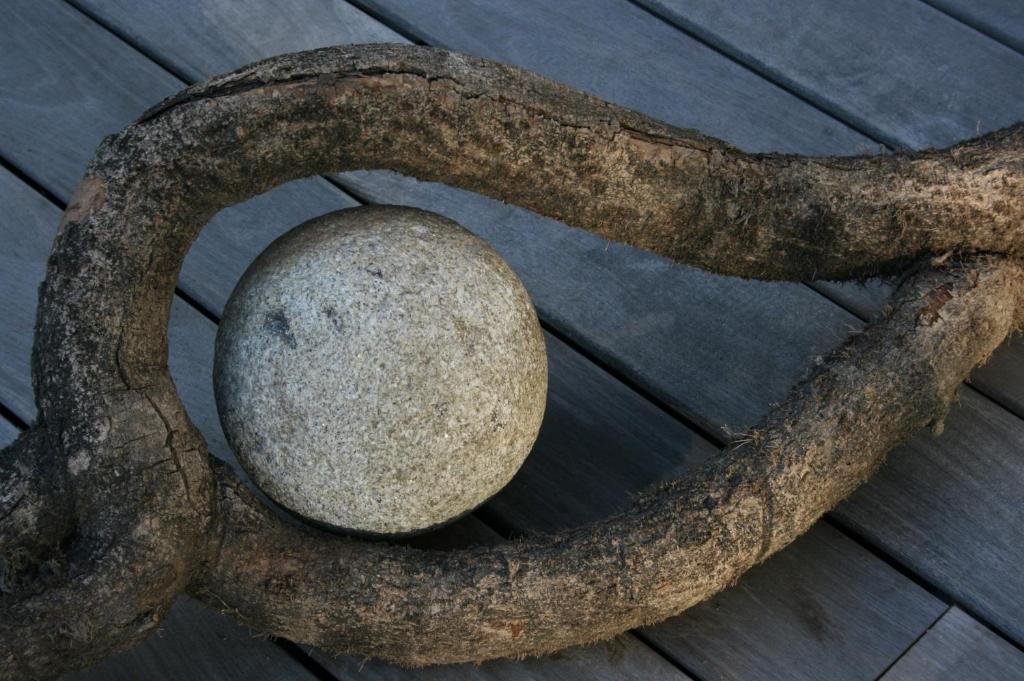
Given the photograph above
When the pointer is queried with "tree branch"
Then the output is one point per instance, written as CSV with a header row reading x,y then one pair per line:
x,y
109,507
676,547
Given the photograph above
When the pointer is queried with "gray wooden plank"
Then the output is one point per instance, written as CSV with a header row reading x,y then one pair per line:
x,y
624,659
8,432
881,654
953,507
740,634
959,648
297,26
666,71
193,642
29,222
600,443
1001,19
907,74
65,83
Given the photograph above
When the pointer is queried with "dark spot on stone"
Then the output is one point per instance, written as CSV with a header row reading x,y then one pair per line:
x,y
332,314
375,272
277,323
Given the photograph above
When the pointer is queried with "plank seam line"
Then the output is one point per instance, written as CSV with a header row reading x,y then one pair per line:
x,y
913,643
180,77
31,182
936,591
388,21
809,97
962,19
15,420
304,659
646,640
702,429
199,307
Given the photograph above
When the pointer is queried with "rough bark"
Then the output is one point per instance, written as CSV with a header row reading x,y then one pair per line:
x,y
680,544
84,577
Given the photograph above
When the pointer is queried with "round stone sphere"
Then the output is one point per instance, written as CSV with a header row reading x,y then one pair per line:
x,y
380,370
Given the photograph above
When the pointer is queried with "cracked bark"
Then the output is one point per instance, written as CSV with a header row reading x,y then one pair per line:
x,y
83,577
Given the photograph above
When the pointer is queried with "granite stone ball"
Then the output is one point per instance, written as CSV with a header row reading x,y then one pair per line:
x,y
380,370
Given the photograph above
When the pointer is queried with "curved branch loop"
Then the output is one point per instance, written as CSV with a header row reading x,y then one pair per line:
x,y
112,426
679,545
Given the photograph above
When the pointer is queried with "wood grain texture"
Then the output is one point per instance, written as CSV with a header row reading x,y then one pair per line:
x,y
28,223
959,648
904,73
624,658
65,83
675,74
600,444
238,39
1001,19
740,634
953,508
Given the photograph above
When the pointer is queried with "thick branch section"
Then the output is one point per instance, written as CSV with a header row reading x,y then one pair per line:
x,y
507,133
108,507
679,545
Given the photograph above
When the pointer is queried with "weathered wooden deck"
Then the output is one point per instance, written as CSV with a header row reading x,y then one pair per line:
x,y
920,575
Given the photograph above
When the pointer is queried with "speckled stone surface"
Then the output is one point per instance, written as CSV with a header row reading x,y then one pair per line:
x,y
380,369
